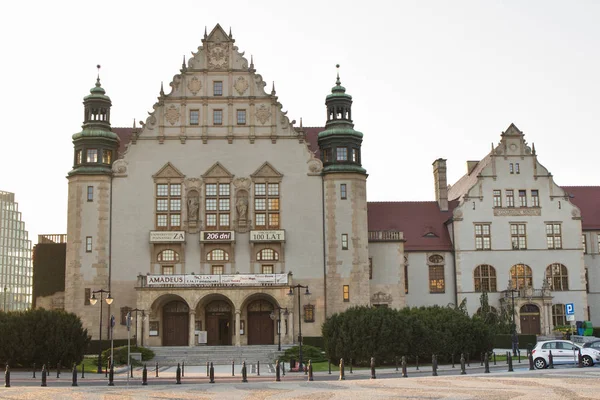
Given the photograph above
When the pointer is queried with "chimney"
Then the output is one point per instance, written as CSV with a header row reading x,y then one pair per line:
x,y
471,166
441,183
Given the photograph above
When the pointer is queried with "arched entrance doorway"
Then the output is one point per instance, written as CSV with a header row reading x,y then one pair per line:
x,y
176,316
260,325
218,323
530,319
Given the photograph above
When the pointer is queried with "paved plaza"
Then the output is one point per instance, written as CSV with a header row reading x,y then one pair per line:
x,y
560,383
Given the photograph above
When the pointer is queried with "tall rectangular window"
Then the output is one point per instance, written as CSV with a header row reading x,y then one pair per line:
x,y
106,156
584,242
217,206
437,281
354,155
344,241
497,198
553,236
343,193
78,156
168,206
518,236
92,155
266,205
483,239
510,198
217,117
342,154
587,281
88,244
346,295
241,117
218,88
370,267
194,117
217,270
86,296
517,169
168,269
522,198
309,313
405,278
511,168
90,193
535,198
266,269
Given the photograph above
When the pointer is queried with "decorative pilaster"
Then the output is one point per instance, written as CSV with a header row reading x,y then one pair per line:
x,y
238,342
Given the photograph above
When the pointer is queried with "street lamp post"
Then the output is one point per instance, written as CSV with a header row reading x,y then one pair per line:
x,y
306,293
136,310
93,301
285,314
515,339
4,307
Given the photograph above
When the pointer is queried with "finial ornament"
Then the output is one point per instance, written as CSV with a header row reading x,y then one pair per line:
x,y
251,61
98,79
273,89
300,122
134,126
183,65
337,82
230,35
162,92
205,34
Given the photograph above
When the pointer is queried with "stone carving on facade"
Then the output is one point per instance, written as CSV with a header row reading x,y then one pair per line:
x,y
150,121
381,297
241,206
242,201
436,259
175,83
193,188
194,85
315,166
517,212
119,167
457,214
172,115
241,85
263,114
575,213
193,206
218,55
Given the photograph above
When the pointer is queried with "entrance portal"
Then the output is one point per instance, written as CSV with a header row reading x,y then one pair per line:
x,y
218,324
261,328
530,319
175,324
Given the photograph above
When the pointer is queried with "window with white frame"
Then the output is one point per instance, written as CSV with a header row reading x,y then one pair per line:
x,y
535,198
217,206
266,205
522,198
553,236
497,198
510,198
344,241
168,206
483,238
518,236
485,278
559,317
558,277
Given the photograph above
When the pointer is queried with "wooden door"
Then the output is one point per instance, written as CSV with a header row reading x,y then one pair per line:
x,y
175,330
530,319
212,330
261,328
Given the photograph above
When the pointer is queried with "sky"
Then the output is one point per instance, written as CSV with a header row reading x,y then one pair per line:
x,y
429,79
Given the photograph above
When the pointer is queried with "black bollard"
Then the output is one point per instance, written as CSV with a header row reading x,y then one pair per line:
x,y
178,374
74,375
207,368
530,361
33,371
232,368
468,360
417,362
44,375
373,368
329,367
111,375
579,359
452,360
212,373
7,376
519,355
396,361
507,353
342,376
156,370
434,365
550,360
510,362
486,362
182,369
58,370
351,366
107,368
404,372
144,376
82,370
481,364
131,371
244,373
258,368
494,353
277,372
310,371
463,370
283,367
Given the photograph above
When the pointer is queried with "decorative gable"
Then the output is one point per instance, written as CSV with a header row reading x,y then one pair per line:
x,y
513,131
217,171
169,171
266,171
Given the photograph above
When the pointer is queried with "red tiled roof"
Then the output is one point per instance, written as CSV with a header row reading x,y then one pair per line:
x,y
416,219
125,136
587,198
312,134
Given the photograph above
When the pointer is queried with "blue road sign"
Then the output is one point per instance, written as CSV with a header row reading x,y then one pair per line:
x,y
570,309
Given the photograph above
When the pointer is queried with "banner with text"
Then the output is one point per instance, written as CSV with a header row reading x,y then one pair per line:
x,y
215,280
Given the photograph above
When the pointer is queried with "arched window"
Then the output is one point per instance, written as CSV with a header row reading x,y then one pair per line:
x,y
267,255
217,255
558,277
520,276
558,315
485,278
168,256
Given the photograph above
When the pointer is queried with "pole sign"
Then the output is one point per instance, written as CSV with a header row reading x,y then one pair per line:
x,y
570,308
128,320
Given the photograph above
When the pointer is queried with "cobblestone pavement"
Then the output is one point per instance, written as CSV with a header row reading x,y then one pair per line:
x,y
563,383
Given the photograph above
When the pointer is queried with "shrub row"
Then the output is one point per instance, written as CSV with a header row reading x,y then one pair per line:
x,y
120,354
384,333
41,336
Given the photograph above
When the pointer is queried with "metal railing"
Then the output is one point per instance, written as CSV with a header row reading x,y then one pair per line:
x,y
386,236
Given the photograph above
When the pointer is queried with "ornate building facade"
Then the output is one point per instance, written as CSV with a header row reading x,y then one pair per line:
x,y
217,216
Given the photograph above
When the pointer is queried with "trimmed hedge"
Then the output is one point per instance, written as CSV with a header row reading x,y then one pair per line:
x,y
504,341
120,354
94,346
315,341
41,336
385,333
312,353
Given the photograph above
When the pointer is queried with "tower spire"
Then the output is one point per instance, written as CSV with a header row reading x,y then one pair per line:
x,y
162,92
337,81
98,78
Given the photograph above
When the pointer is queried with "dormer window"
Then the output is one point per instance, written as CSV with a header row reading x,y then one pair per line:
x,y
92,156
106,156
342,154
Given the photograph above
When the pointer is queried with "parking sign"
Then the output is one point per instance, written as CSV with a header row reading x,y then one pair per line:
x,y
570,309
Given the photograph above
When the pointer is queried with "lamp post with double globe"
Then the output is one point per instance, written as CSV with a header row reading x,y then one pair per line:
x,y
273,316
306,293
93,301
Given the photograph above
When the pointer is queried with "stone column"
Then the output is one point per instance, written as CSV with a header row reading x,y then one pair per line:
x,y
192,327
290,334
238,342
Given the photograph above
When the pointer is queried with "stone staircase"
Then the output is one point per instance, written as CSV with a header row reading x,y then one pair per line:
x,y
218,355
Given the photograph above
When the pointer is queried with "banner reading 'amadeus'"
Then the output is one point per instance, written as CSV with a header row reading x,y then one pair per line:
x,y
217,280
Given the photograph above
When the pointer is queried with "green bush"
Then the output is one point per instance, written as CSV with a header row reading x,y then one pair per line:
x,y
41,336
120,354
503,341
312,353
315,341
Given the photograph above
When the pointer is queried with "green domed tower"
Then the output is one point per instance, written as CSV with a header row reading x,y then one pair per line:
x,y
345,191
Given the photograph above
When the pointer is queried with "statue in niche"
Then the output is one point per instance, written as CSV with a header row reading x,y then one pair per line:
x,y
193,204
241,206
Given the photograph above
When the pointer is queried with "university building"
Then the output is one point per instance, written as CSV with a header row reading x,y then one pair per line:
x,y
217,216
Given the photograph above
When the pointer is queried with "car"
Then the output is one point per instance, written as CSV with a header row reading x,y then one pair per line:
x,y
563,352
594,345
